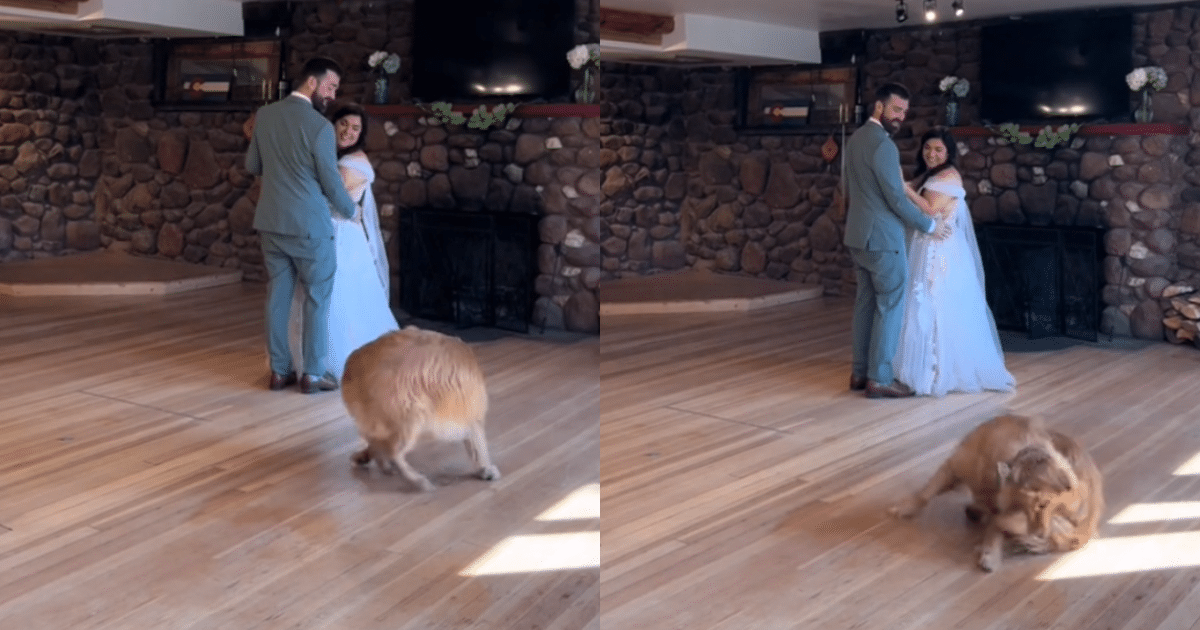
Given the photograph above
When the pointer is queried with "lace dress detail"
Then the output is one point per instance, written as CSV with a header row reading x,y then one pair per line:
x,y
948,339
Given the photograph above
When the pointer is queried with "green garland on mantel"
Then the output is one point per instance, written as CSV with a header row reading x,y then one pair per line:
x,y
1047,138
481,118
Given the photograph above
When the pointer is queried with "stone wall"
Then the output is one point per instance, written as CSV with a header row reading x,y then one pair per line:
x,y
712,196
50,137
684,188
89,160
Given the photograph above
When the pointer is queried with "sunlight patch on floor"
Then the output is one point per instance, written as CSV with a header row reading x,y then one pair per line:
x,y
558,551
1154,512
1190,467
1110,556
540,552
583,503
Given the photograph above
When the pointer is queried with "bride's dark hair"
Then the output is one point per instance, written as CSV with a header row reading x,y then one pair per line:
x,y
351,109
923,172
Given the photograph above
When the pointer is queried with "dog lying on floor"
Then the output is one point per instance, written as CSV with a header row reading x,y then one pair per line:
x,y
409,383
1039,488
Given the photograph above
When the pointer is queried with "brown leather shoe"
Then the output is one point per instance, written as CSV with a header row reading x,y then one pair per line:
x,y
280,381
895,390
858,383
310,384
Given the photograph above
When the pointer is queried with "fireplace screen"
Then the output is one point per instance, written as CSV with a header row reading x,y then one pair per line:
x,y
469,268
1044,281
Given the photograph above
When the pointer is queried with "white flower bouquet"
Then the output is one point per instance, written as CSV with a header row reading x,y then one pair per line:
x,y
1153,77
956,86
583,54
381,60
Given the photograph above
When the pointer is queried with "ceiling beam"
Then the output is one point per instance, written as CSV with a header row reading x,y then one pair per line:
x,y
631,26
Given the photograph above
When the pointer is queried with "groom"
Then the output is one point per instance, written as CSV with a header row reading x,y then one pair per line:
x,y
292,146
878,211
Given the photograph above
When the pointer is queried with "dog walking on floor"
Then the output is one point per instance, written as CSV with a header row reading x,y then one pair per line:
x,y
412,382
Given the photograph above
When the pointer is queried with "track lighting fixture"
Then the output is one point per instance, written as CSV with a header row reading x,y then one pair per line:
x,y
957,5
901,11
930,10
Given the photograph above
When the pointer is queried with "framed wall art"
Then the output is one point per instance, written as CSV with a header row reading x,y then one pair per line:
x,y
218,73
783,99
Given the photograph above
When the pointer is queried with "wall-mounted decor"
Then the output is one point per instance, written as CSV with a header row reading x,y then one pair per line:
x,y
792,98
218,73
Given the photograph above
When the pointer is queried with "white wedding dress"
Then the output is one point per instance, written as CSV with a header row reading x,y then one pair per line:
x,y
948,338
358,306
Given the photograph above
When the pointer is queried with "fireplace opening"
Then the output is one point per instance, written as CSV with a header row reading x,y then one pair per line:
x,y
1044,281
468,268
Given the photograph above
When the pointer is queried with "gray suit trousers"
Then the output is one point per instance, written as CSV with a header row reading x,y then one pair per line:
x,y
312,262
878,312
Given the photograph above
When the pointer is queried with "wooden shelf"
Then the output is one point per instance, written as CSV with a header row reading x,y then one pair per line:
x,y
1111,129
532,110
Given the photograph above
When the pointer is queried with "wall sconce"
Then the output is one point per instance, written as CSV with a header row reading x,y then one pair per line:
x,y
957,5
901,12
930,10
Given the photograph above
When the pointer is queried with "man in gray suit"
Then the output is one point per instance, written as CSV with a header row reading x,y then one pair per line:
x,y
878,211
292,146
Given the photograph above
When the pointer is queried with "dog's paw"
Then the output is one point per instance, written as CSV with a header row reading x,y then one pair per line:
x,y
989,560
489,473
423,484
361,458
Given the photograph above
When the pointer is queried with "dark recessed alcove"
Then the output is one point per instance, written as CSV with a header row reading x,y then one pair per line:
x,y
468,268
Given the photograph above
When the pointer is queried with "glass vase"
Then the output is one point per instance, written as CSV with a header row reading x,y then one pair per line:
x,y
585,93
381,89
1145,111
952,113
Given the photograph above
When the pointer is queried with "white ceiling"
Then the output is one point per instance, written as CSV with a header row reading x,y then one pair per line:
x,y
751,32
124,18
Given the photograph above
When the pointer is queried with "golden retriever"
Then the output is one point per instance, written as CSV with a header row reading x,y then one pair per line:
x,y
1038,487
409,383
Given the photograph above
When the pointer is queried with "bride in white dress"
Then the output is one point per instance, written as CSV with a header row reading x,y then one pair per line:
x,y
358,311
948,338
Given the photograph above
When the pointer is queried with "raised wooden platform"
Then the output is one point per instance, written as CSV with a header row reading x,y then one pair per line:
x,y
698,292
109,273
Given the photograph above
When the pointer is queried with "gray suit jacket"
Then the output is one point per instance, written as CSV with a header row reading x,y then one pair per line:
x,y
293,148
878,208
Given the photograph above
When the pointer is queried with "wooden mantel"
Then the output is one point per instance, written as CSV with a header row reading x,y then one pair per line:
x,y
1113,129
532,110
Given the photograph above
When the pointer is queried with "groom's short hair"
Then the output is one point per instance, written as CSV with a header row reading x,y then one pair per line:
x,y
318,67
888,90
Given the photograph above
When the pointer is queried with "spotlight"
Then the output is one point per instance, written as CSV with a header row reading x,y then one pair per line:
x,y
901,11
957,5
930,10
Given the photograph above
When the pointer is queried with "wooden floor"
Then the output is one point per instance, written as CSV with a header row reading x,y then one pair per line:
x,y
744,487
149,480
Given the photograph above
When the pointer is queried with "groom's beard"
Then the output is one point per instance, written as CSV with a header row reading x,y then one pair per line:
x,y
890,125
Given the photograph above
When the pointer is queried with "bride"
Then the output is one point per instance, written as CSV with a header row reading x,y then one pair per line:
x,y
948,338
358,306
